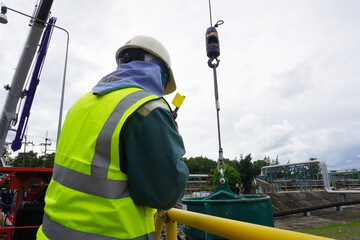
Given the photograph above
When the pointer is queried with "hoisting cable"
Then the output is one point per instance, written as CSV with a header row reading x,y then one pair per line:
x,y
213,51
210,13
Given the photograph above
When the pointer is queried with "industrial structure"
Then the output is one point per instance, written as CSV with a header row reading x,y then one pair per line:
x,y
198,184
311,175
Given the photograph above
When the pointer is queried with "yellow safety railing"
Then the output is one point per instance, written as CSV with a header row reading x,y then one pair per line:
x,y
227,228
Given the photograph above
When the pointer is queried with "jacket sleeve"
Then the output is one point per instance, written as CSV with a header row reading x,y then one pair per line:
x,y
151,151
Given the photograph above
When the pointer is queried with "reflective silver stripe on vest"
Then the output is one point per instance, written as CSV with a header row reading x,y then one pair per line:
x,y
56,231
148,108
111,189
101,159
97,183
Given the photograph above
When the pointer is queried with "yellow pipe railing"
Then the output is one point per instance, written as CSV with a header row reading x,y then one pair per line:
x,y
227,228
158,226
171,230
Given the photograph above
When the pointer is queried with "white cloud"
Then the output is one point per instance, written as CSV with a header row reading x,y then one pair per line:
x,y
288,76
258,134
293,82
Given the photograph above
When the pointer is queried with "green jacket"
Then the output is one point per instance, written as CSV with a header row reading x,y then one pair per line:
x,y
158,181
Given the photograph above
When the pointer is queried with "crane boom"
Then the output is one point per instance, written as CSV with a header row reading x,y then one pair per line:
x,y
35,79
8,115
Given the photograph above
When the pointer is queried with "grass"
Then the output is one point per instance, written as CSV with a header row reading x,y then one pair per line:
x,y
337,231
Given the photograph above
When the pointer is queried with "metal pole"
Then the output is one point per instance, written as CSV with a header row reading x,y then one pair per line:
x,y
217,103
313,208
63,86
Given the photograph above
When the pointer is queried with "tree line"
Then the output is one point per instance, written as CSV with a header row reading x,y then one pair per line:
x,y
239,172
30,159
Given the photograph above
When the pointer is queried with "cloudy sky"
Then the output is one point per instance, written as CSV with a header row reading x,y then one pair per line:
x,y
288,76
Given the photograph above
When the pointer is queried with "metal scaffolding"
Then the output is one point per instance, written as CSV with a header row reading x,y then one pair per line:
x,y
307,176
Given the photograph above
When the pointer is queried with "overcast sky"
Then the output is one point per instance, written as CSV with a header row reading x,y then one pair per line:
x,y
288,76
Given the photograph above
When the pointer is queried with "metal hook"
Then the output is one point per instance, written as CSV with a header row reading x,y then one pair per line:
x,y
221,170
213,65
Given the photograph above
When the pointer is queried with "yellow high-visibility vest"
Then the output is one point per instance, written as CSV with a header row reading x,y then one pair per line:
x,y
88,196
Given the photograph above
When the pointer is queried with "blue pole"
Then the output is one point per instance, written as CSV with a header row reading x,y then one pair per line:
x,y
35,79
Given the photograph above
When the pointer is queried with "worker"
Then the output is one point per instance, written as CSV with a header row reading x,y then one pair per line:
x,y
119,155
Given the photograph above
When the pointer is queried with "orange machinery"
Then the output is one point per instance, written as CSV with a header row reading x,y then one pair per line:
x,y
30,186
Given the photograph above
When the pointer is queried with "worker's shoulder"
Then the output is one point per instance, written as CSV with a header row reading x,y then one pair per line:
x,y
149,107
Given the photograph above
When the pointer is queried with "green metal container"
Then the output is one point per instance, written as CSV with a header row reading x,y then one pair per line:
x,y
224,203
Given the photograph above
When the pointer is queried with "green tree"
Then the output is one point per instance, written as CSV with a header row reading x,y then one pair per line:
x,y
246,172
48,161
234,163
232,176
28,159
31,159
200,165
275,161
258,164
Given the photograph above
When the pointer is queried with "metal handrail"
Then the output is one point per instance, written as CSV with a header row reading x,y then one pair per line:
x,y
227,228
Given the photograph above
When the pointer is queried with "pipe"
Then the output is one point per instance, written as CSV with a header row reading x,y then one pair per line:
x,y
171,230
232,229
158,226
308,209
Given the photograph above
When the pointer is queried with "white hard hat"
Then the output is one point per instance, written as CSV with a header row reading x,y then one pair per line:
x,y
154,47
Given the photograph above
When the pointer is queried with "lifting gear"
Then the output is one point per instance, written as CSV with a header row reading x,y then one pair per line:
x,y
213,52
212,44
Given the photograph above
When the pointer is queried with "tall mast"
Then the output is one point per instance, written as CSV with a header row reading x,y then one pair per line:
x,y
8,115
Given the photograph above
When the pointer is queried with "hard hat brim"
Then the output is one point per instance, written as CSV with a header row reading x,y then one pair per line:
x,y
171,85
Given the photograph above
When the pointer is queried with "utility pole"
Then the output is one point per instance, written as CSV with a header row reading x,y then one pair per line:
x,y
27,143
47,143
